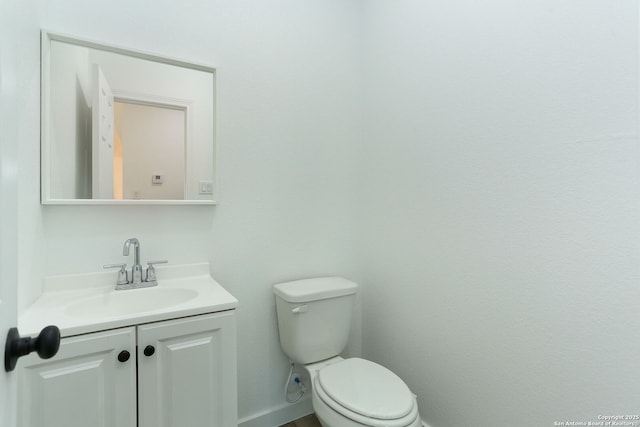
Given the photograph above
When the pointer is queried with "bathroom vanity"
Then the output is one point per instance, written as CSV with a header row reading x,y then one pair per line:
x,y
150,357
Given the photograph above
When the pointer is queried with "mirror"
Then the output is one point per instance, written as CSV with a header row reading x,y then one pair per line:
x,y
125,127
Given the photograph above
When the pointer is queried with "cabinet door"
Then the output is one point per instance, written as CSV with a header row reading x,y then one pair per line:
x,y
83,385
190,379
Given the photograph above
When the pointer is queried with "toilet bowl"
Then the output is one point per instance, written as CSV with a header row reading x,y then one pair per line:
x,y
356,392
314,318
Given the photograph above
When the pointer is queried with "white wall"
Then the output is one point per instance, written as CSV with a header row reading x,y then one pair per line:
x,y
501,215
288,116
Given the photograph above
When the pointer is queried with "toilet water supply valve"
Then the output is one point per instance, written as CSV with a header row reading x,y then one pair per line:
x,y
298,381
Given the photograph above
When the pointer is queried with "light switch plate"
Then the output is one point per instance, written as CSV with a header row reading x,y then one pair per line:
x,y
206,187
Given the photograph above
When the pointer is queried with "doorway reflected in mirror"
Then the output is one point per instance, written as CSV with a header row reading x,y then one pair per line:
x,y
149,151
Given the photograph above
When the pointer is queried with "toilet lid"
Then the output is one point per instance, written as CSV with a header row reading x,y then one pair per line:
x,y
366,388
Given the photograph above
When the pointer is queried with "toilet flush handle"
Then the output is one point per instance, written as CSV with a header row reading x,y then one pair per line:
x,y
300,309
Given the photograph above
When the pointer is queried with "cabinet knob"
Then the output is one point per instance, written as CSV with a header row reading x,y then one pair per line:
x,y
149,350
124,356
46,344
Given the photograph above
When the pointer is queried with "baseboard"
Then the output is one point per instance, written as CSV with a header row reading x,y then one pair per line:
x,y
278,415
283,414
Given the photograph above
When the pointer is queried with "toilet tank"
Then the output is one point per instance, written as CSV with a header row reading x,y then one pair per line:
x,y
314,317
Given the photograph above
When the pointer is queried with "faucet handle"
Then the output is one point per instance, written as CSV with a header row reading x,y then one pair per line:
x,y
122,274
151,271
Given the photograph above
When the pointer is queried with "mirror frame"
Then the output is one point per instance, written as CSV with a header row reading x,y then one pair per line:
x,y
46,124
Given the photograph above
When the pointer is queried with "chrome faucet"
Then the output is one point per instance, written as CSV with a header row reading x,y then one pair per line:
x,y
136,281
136,270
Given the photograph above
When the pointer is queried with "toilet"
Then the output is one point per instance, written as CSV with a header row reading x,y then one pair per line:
x,y
314,319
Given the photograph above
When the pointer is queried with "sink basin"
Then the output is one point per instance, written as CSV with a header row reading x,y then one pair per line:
x,y
132,301
86,303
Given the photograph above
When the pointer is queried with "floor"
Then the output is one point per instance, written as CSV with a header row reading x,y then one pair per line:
x,y
308,421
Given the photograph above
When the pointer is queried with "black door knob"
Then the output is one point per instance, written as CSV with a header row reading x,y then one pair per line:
x,y
124,356
149,350
46,344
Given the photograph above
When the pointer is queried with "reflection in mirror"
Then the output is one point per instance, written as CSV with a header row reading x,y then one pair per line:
x,y
124,127
149,141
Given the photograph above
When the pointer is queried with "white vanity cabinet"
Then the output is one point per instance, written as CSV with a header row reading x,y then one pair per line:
x,y
83,385
179,372
190,377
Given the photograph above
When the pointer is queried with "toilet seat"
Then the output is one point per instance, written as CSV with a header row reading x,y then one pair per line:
x,y
367,393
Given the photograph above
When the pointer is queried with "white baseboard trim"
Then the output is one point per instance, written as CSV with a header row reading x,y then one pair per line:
x,y
278,415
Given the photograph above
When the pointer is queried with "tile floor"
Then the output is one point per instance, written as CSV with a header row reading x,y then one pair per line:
x,y
308,421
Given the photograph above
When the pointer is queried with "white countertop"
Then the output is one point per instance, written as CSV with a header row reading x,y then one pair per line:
x,y
84,303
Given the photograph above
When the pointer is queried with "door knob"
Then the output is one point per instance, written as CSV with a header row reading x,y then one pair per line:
x,y
46,344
